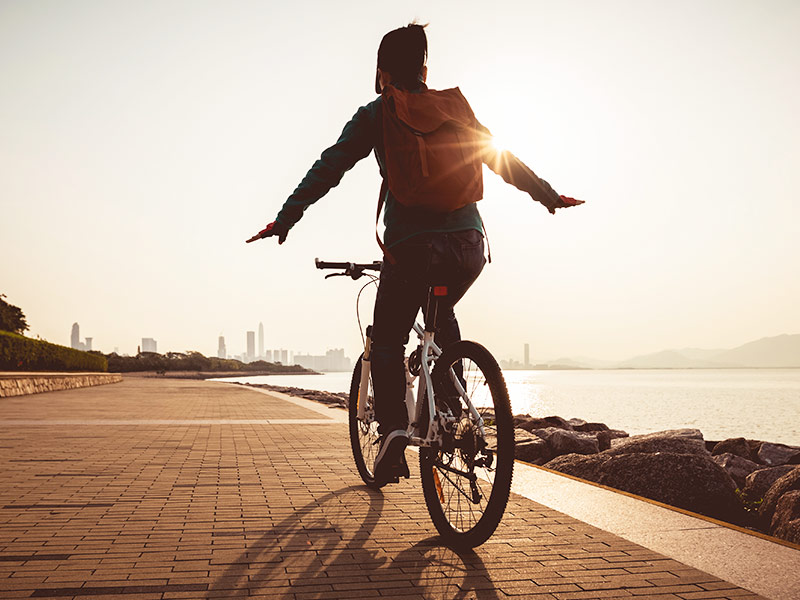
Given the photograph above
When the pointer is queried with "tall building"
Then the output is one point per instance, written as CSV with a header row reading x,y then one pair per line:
x,y
527,355
149,345
251,345
75,339
261,340
284,357
88,345
333,360
222,352
268,355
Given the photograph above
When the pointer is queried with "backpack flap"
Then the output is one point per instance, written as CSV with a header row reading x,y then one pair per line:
x,y
433,149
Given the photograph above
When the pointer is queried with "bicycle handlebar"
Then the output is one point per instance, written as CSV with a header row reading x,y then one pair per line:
x,y
354,270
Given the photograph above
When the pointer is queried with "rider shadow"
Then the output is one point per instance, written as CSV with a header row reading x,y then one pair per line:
x,y
328,542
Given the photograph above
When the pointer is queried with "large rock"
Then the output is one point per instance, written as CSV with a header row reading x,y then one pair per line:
x,y
778,454
531,423
579,465
591,427
787,483
532,449
690,481
573,442
736,466
758,482
681,441
737,446
786,520
606,436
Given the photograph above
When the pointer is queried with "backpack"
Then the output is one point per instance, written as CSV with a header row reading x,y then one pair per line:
x,y
433,149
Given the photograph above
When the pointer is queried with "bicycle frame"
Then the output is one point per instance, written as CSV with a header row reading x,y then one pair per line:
x,y
429,351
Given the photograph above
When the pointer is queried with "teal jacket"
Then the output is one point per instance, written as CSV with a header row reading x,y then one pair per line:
x,y
362,135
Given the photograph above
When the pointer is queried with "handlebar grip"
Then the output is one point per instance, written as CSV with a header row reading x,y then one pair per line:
x,y
321,264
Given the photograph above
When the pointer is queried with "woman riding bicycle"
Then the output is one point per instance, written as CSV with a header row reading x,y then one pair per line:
x,y
422,247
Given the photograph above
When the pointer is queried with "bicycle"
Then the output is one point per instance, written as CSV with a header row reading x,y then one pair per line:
x,y
459,417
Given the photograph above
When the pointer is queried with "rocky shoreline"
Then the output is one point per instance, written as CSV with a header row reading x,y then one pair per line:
x,y
749,483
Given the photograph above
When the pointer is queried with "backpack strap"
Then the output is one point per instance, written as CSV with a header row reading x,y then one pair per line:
x,y
381,199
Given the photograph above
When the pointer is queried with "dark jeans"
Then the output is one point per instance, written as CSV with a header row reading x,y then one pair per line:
x,y
451,259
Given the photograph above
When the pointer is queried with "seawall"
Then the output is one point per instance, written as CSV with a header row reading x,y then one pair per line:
x,y
21,384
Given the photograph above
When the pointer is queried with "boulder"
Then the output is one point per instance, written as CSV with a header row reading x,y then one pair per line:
x,y
543,423
786,483
778,454
520,419
736,466
662,441
532,449
573,442
690,481
786,520
758,482
591,427
605,437
544,433
737,446
579,465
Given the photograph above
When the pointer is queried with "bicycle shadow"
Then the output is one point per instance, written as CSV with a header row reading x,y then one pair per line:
x,y
279,556
439,572
328,542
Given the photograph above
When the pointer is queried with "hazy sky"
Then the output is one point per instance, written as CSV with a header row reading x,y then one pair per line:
x,y
142,142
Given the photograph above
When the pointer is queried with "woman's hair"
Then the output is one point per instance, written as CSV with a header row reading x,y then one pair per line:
x,y
403,53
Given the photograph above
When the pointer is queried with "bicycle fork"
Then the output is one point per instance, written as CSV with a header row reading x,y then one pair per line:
x,y
363,389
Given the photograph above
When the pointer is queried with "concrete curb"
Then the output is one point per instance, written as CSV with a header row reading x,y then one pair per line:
x,y
22,384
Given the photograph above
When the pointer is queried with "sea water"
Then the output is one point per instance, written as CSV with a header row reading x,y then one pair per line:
x,y
759,404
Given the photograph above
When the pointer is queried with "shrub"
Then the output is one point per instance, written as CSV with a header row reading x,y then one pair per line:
x,y
18,353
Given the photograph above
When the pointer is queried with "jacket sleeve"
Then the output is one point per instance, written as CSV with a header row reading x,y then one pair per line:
x,y
518,174
355,143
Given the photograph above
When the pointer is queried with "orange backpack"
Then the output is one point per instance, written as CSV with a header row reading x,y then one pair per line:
x,y
433,149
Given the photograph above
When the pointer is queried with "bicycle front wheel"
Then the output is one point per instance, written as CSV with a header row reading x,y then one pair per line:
x,y
467,482
364,431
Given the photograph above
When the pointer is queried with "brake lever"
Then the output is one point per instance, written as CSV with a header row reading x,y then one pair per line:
x,y
335,275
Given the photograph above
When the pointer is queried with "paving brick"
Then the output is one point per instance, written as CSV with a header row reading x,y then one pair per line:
x,y
123,504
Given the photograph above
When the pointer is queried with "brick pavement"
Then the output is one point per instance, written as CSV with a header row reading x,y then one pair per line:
x,y
151,489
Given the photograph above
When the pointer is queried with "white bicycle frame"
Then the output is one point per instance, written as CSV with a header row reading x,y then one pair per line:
x,y
429,352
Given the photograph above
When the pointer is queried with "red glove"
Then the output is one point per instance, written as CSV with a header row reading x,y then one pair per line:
x,y
570,201
274,228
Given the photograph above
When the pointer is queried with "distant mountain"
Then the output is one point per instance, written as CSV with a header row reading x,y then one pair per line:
x,y
775,352
779,351
668,359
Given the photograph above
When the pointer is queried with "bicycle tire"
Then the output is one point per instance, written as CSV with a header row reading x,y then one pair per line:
x,y
467,513
363,434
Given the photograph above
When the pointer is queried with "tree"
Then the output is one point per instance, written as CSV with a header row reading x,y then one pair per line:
x,y
11,317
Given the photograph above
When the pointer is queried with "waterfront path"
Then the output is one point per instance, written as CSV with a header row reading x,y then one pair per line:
x,y
188,489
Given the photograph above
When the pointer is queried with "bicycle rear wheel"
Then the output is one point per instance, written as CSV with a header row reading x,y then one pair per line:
x,y
466,482
363,433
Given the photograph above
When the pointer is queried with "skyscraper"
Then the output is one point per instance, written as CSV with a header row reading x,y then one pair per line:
x,y
527,355
88,345
261,340
75,339
149,345
251,345
222,352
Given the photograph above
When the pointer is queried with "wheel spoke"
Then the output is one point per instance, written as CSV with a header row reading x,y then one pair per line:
x,y
474,464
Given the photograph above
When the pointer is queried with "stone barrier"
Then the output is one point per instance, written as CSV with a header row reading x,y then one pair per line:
x,y
20,384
